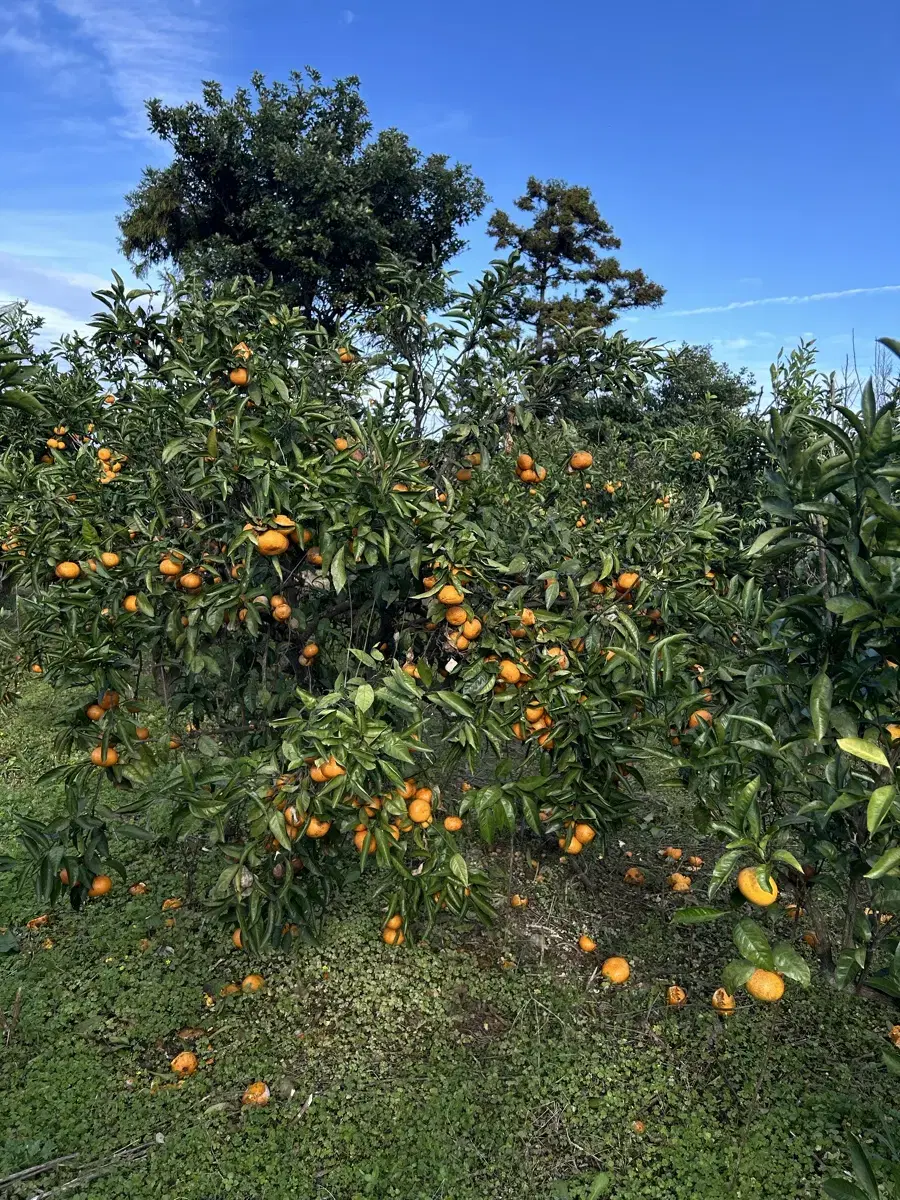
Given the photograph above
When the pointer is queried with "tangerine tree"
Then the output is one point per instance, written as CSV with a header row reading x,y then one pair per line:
x,y
372,646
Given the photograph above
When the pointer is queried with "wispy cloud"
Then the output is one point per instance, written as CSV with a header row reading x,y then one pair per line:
x,y
348,16
156,49
56,320
846,293
139,49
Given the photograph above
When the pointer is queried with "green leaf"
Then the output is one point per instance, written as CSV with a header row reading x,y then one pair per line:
x,y
862,1168
790,963
753,944
459,869
338,571
452,701
892,344
888,861
8,944
723,869
365,697
765,538
785,856
820,704
848,966
736,974
173,448
696,915
880,803
600,1185
842,1189
867,751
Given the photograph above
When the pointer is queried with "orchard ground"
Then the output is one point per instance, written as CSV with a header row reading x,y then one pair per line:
x,y
477,1064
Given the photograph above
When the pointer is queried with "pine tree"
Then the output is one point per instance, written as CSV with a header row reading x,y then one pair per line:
x,y
568,281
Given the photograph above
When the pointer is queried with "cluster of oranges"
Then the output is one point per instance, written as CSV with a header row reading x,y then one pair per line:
x,y
110,464
529,472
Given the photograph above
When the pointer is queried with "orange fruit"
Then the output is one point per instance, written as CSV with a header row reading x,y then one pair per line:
x,y
310,650
722,1002
695,861
184,1063
894,1036
282,612
141,733
109,559
750,889
509,672
702,714
408,790
584,833
170,567
574,846
130,604
524,462
696,455
672,852
581,460
191,582
67,570
104,454
101,886
341,443
394,922
419,811
256,1095
518,901
393,936
627,580
108,760
472,628
453,824
138,889
172,904
332,769
810,939
450,595
765,986
456,616
272,543
345,355
616,970
363,840
635,876
94,711
679,882
252,983
464,474
317,828
527,617
587,944
236,940
676,996
239,376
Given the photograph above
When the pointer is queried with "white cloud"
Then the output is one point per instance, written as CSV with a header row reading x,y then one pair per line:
x,y
348,16
768,300
139,48
33,46
56,320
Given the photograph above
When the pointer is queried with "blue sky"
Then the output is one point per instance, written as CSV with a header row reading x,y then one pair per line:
x,y
744,152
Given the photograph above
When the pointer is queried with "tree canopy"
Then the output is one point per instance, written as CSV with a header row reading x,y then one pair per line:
x,y
288,182
567,281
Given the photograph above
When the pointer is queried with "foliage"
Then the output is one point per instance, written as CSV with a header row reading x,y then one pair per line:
x,y
542,1098
196,432
286,183
806,751
560,249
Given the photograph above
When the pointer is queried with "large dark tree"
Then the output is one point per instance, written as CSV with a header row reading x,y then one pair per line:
x,y
569,281
289,182
689,379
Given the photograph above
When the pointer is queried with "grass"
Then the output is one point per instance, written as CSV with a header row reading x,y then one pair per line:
x,y
480,1065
